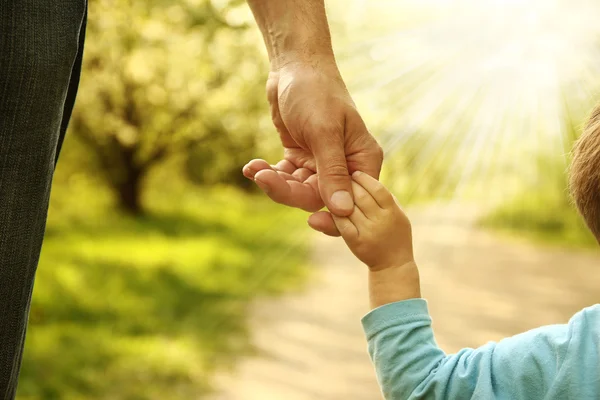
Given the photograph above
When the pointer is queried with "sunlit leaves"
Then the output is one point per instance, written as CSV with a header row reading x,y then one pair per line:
x,y
161,78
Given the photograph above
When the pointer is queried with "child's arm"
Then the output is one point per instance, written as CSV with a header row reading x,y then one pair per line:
x,y
553,362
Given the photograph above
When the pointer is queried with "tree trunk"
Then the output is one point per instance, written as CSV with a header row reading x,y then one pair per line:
x,y
130,193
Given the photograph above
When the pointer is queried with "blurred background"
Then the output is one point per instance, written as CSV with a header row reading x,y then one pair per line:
x,y
166,275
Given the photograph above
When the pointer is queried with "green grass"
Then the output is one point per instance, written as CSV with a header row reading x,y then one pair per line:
x,y
544,216
148,308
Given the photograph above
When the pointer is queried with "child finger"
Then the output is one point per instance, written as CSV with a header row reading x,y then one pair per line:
x,y
358,218
347,229
364,201
382,196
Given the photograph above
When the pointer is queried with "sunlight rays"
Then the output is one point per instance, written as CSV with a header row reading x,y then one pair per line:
x,y
464,95
486,87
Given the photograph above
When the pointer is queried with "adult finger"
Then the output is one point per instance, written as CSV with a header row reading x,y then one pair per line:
x,y
291,193
334,181
370,160
367,154
302,174
285,166
254,166
322,221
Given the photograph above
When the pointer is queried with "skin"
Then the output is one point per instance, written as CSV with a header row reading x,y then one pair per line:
x,y
379,234
323,136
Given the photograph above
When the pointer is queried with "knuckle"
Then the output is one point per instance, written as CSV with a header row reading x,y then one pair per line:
x,y
403,219
379,152
380,190
278,121
329,132
387,214
352,233
361,196
272,93
347,231
345,227
333,130
334,169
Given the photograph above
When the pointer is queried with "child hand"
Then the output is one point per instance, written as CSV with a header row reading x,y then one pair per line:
x,y
378,232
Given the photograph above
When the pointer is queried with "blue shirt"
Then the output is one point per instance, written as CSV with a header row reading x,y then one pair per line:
x,y
551,362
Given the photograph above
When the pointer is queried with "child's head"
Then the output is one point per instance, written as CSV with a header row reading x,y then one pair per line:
x,y
585,173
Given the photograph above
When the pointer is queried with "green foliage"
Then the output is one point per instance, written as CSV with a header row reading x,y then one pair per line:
x,y
148,308
161,79
415,175
545,216
544,211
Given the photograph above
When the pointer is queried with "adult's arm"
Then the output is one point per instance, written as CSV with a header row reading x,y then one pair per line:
x,y
293,30
323,135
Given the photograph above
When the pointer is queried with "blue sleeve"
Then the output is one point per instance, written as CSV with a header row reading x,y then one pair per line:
x,y
552,362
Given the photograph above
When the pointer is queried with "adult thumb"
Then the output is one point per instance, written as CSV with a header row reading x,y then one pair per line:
x,y
335,184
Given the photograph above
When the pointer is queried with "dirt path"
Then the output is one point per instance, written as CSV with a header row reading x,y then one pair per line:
x,y
480,287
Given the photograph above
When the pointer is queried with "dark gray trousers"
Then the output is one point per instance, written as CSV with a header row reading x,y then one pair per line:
x,y
41,44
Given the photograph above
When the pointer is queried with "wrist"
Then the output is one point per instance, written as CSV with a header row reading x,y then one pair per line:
x,y
298,45
394,283
294,31
303,56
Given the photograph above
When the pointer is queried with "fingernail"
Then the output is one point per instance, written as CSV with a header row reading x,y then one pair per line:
x,y
265,188
342,200
356,174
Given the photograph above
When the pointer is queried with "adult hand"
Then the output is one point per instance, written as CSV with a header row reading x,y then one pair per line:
x,y
323,136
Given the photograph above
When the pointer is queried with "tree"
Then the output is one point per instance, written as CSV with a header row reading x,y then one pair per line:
x,y
159,80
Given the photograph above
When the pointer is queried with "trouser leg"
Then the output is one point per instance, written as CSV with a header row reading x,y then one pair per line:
x,y
41,43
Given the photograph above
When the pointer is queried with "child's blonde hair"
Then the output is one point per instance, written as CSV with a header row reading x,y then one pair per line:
x,y
584,181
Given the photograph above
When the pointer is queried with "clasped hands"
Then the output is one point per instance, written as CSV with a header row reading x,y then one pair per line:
x,y
325,140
